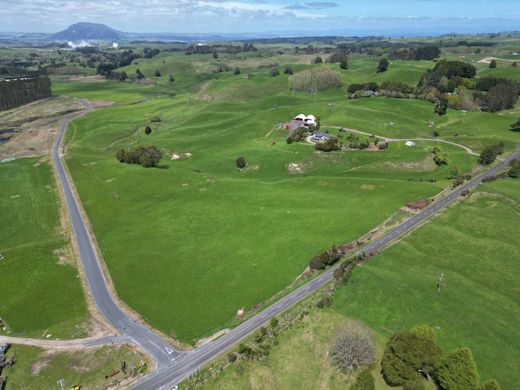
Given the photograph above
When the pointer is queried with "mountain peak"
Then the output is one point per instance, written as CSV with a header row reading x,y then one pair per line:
x,y
86,31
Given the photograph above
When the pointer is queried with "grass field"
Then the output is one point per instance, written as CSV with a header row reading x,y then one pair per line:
x,y
36,368
41,292
476,245
190,244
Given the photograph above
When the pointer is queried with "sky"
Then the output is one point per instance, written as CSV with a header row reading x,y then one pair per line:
x,y
361,17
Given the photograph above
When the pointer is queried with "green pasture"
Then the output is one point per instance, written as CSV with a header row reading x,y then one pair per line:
x,y
40,296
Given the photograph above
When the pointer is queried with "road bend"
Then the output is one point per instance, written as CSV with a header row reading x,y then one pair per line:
x,y
188,363
159,350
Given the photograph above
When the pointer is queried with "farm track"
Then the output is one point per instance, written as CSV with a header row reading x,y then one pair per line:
x,y
173,365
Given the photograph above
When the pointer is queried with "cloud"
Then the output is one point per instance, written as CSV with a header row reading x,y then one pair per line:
x,y
321,4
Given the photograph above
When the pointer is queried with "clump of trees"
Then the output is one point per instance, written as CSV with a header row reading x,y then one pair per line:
x,y
146,156
414,354
241,162
329,145
315,80
426,53
514,169
150,52
353,347
382,66
442,106
298,135
370,86
326,258
318,60
490,153
338,57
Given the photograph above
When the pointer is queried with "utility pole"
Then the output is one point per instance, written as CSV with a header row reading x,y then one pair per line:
x,y
61,382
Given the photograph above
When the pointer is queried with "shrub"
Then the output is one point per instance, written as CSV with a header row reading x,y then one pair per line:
x,y
315,80
138,74
241,162
157,73
493,64
343,65
148,130
489,154
338,57
288,70
236,72
458,371
514,169
318,60
364,381
516,126
441,107
317,263
274,72
439,157
353,347
408,352
490,385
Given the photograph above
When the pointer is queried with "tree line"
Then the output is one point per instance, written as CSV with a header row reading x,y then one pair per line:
x,y
15,92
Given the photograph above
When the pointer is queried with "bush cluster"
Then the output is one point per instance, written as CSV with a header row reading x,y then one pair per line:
x,y
328,145
298,135
315,80
439,157
147,156
490,153
326,258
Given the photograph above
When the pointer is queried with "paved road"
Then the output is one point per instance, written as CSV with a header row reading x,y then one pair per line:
x,y
159,350
173,365
191,361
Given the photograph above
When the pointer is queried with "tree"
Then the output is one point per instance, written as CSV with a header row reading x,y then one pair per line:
x,y
353,347
343,65
237,71
408,354
318,60
490,385
364,381
148,130
147,156
274,71
516,126
288,70
493,64
241,162
514,169
138,74
383,65
442,106
215,55
458,371
157,73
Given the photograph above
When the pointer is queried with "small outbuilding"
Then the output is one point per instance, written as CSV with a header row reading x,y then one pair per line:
x,y
410,144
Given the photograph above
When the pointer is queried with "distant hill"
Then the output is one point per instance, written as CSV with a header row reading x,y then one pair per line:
x,y
86,31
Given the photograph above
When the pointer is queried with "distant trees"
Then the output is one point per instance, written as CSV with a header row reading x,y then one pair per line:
x,y
146,156
382,66
451,69
215,55
314,80
493,64
338,57
427,53
501,96
353,347
241,162
149,52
